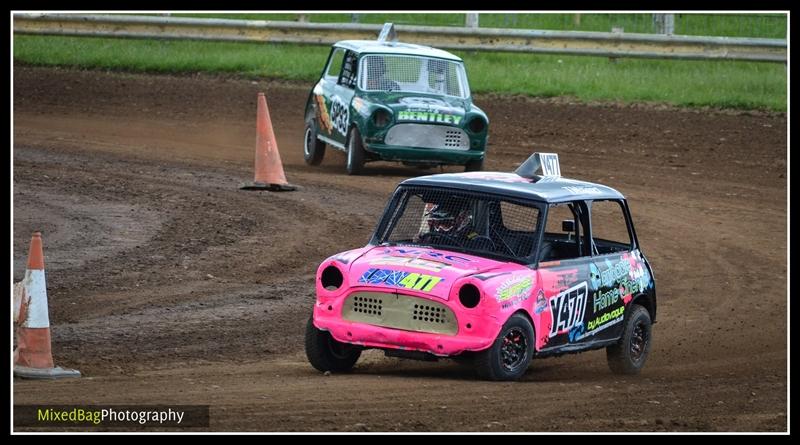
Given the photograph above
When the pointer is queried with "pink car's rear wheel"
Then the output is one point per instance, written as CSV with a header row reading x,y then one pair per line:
x,y
630,353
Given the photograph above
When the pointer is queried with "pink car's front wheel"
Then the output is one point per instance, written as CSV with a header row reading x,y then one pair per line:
x,y
327,354
510,354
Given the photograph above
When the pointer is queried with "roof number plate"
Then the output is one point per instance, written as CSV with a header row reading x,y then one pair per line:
x,y
388,34
549,163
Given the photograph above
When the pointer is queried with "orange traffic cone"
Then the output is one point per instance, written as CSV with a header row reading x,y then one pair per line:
x,y
269,169
33,358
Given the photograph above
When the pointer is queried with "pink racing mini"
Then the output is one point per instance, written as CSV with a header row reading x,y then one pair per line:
x,y
492,268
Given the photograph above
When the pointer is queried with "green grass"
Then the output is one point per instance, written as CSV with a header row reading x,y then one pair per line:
x,y
173,56
744,85
729,25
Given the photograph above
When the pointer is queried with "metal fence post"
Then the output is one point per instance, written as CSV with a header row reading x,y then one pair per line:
x,y
615,30
472,21
664,23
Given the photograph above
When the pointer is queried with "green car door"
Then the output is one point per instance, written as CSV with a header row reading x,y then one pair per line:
x,y
334,94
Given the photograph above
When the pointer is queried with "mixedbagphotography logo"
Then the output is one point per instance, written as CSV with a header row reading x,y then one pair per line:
x,y
161,416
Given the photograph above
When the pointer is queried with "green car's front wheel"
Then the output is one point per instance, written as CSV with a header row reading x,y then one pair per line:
x,y
355,153
474,166
313,148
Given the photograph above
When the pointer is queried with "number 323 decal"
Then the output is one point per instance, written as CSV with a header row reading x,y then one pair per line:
x,y
340,114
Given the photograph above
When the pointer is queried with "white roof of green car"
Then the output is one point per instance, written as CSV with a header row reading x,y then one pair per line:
x,y
375,47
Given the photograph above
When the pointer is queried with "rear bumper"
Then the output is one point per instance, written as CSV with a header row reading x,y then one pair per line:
x,y
475,332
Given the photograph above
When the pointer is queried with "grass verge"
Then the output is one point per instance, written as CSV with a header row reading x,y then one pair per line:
x,y
742,85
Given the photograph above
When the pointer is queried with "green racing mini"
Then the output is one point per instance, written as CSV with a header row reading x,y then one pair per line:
x,y
391,101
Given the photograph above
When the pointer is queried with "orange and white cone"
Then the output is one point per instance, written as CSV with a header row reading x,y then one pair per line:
x,y
269,168
33,358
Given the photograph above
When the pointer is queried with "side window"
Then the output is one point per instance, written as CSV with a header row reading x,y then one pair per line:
x,y
335,66
561,244
349,70
609,228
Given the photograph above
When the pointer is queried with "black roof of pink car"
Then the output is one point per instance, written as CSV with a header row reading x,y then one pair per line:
x,y
549,189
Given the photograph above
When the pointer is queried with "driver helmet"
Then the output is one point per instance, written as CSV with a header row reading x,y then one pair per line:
x,y
377,66
448,219
437,66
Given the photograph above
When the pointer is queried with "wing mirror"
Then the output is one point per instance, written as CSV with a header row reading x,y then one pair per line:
x,y
568,225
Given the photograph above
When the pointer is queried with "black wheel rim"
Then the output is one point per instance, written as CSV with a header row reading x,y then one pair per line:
x,y
638,342
308,142
514,349
338,349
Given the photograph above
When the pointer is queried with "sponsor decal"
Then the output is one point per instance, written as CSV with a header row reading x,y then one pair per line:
x,y
340,114
568,308
614,272
579,190
601,320
514,301
424,103
609,277
541,303
396,278
576,333
483,277
513,288
322,113
639,275
430,253
416,263
566,279
345,257
428,116
618,281
594,276
602,300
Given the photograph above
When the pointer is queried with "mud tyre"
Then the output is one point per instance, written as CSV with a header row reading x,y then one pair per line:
x,y
510,354
629,355
313,148
326,354
474,166
355,153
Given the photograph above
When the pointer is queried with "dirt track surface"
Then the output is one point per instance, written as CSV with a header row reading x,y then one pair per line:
x,y
168,285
